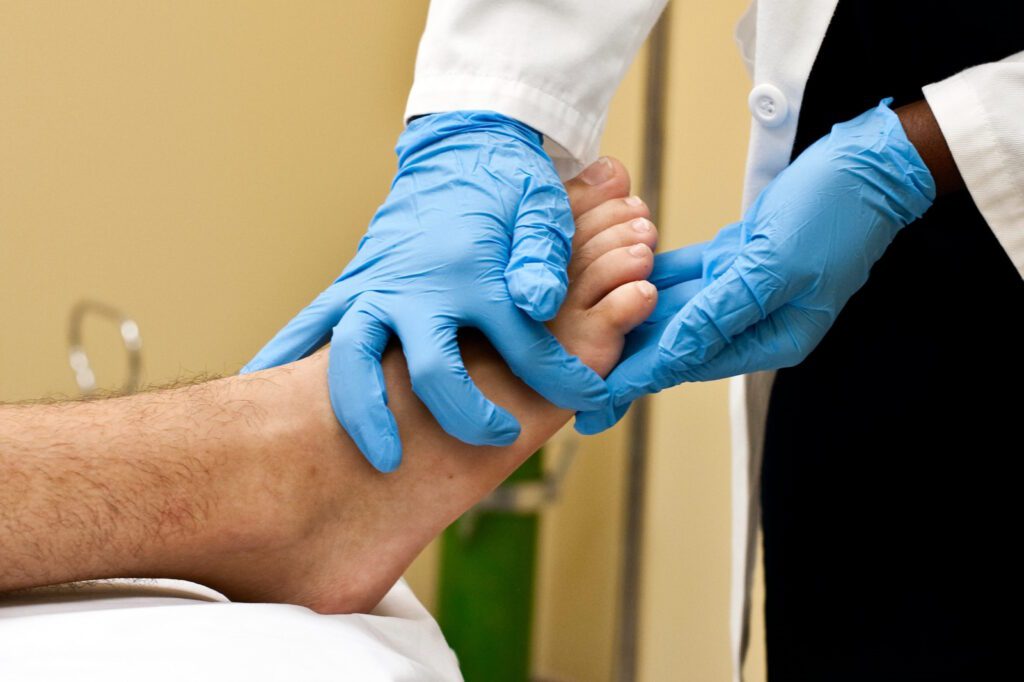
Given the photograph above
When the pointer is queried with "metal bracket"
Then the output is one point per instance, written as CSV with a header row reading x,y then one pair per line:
x,y
79,359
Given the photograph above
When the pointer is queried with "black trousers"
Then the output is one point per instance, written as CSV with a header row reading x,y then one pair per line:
x,y
889,487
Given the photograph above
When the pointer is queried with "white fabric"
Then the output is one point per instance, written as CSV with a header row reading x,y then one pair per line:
x,y
981,114
174,630
555,65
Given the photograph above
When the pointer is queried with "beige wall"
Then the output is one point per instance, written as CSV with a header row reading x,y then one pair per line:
x,y
208,167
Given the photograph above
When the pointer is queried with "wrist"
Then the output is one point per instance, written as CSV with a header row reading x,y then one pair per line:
x,y
876,146
923,132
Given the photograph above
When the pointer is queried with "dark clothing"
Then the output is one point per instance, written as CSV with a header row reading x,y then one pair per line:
x,y
889,486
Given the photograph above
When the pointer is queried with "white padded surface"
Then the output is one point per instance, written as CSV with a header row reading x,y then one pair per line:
x,y
174,630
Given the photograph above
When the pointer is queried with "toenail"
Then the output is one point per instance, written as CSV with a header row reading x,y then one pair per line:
x,y
634,201
639,250
641,225
598,172
647,290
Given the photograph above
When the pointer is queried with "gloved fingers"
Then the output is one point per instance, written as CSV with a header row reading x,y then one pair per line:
x,y
596,421
673,299
721,252
680,265
357,389
786,337
440,380
602,180
646,334
304,334
537,288
537,272
783,339
743,296
536,357
637,375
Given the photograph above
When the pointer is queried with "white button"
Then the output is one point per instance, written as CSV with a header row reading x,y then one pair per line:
x,y
768,105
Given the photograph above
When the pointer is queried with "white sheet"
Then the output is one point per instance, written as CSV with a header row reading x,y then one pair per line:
x,y
175,630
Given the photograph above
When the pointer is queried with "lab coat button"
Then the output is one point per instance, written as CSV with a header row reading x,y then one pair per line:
x,y
768,105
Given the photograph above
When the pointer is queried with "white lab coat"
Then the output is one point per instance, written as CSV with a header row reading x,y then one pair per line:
x,y
555,65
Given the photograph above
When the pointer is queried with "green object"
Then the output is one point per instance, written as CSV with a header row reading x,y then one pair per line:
x,y
485,600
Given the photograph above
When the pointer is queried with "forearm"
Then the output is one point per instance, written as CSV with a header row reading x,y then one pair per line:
x,y
134,486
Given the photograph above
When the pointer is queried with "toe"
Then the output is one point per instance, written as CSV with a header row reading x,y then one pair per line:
x,y
604,179
626,306
606,215
611,270
636,231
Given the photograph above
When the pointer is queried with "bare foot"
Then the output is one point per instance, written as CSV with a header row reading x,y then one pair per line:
x,y
344,532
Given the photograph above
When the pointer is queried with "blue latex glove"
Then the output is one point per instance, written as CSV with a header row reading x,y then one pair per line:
x,y
773,284
476,232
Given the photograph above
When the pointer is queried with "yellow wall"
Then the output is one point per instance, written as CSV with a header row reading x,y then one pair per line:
x,y
209,167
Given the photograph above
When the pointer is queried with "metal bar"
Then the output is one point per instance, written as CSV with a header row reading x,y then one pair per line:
x,y
651,185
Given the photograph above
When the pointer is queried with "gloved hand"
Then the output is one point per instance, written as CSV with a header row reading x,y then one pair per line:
x,y
773,284
476,232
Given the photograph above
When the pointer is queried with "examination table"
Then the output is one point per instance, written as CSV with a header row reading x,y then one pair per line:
x,y
176,630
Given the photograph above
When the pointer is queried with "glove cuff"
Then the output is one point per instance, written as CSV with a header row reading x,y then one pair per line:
x,y
906,167
424,131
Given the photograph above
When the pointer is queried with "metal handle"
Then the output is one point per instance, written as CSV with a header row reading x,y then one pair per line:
x,y
79,359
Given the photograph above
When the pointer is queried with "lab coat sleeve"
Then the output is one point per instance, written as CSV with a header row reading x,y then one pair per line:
x,y
981,114
552,64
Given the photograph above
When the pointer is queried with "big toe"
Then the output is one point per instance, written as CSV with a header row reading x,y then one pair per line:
x,y
602,180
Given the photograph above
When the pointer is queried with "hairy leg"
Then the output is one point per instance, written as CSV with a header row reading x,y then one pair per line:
x,y
247,484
